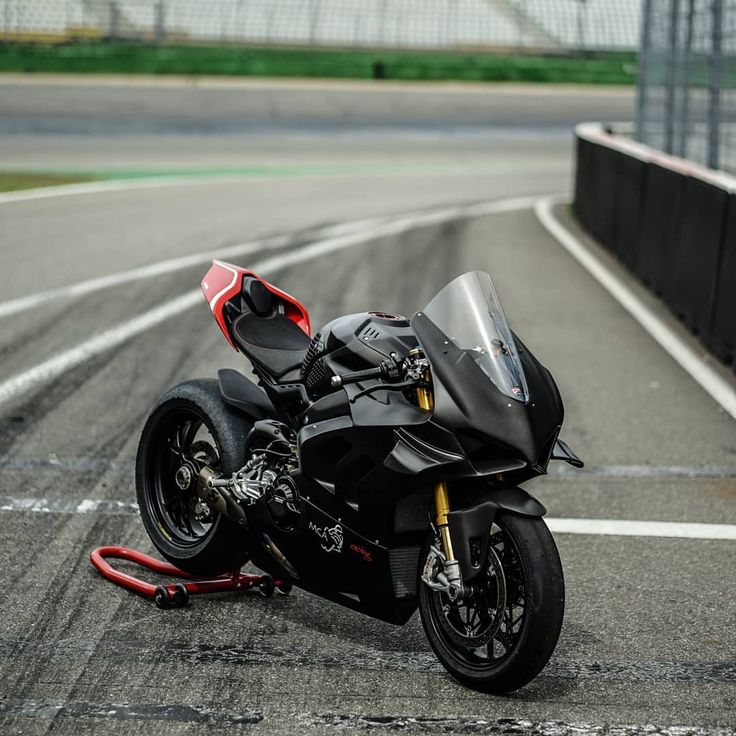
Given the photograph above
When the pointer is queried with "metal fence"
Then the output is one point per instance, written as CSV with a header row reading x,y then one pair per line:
x,y
687,80
550,25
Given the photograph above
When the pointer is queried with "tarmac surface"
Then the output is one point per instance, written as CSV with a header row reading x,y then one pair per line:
x,y
649,639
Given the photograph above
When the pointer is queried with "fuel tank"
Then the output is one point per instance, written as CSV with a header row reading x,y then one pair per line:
x,y
355,342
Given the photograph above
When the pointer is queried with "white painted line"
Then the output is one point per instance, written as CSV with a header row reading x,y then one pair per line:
x,y
596,527
642,471
628,528
68,506
86,505
79,354
120,185
82,288
154,182
31,301
90,286
710,380
174,180
184,180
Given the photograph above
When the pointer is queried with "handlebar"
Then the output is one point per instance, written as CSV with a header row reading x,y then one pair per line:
x,y
355,377
388,370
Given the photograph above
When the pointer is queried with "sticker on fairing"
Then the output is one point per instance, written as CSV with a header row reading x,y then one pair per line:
x,y
331,537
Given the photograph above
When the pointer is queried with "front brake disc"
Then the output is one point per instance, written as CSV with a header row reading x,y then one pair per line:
x,y
472,622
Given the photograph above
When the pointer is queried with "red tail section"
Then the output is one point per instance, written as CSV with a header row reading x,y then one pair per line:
x,y
224,281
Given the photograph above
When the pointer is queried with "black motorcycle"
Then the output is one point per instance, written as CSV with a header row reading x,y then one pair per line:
x,y
376,464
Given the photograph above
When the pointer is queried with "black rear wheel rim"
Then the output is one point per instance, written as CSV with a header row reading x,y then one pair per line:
x,y
182,444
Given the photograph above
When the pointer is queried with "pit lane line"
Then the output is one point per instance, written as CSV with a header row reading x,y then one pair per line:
x,y
595,527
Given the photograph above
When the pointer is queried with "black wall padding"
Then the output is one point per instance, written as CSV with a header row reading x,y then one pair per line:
x,y
630,184
584,182
696,255
605,165
723,331
659,222
676,232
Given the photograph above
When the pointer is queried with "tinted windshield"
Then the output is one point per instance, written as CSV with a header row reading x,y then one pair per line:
x,y
469,313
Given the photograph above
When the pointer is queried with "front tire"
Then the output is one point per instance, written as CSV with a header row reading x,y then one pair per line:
x,y
501,637
189,427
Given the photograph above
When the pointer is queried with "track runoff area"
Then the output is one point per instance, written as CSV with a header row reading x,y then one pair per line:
x,y
648,643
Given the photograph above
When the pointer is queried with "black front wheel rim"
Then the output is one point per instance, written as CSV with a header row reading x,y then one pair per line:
x,y
483,630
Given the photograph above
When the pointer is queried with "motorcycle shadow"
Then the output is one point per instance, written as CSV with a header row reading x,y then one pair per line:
x,y
349,639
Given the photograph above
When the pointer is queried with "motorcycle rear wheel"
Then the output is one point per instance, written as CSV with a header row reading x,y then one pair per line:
x,y
500,637
189,427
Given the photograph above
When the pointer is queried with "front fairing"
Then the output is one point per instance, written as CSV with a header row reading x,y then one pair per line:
x,y
484,408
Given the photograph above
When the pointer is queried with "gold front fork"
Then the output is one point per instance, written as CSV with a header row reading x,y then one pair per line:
x,y
425,399
442,508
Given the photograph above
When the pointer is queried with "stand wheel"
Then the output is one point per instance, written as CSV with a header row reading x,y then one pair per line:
x,y
162,597
284,587
181,596
266,586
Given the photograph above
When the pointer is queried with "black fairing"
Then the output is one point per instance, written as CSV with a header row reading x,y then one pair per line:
x,y
363,340
368,462
467,402
243,394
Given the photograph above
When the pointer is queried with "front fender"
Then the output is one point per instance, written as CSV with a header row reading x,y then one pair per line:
x,y
472,523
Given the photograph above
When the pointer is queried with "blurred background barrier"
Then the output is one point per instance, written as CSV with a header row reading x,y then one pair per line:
x,y
576,41
671,221
665,205
133,57
687,80
549,25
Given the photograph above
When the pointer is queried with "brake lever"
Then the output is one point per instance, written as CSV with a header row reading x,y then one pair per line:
x,y
383,387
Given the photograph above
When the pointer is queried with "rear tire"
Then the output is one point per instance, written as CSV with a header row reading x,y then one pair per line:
x,y
190,426
533,595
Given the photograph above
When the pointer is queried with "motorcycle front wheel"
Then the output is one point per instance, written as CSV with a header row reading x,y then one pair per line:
x,y
500,636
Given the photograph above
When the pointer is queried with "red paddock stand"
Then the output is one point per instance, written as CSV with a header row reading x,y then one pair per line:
x,y
176,595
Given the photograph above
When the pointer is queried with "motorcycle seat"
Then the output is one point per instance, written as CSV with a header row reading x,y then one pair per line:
x,y
272,341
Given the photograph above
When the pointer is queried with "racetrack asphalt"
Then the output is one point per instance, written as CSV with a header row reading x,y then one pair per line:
x,y
649,639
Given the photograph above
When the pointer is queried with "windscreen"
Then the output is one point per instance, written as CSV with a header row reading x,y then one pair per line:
x,y
469,313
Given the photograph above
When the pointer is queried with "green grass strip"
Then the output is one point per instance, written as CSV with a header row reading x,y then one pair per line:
x,y
135,58
286,170
11,181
